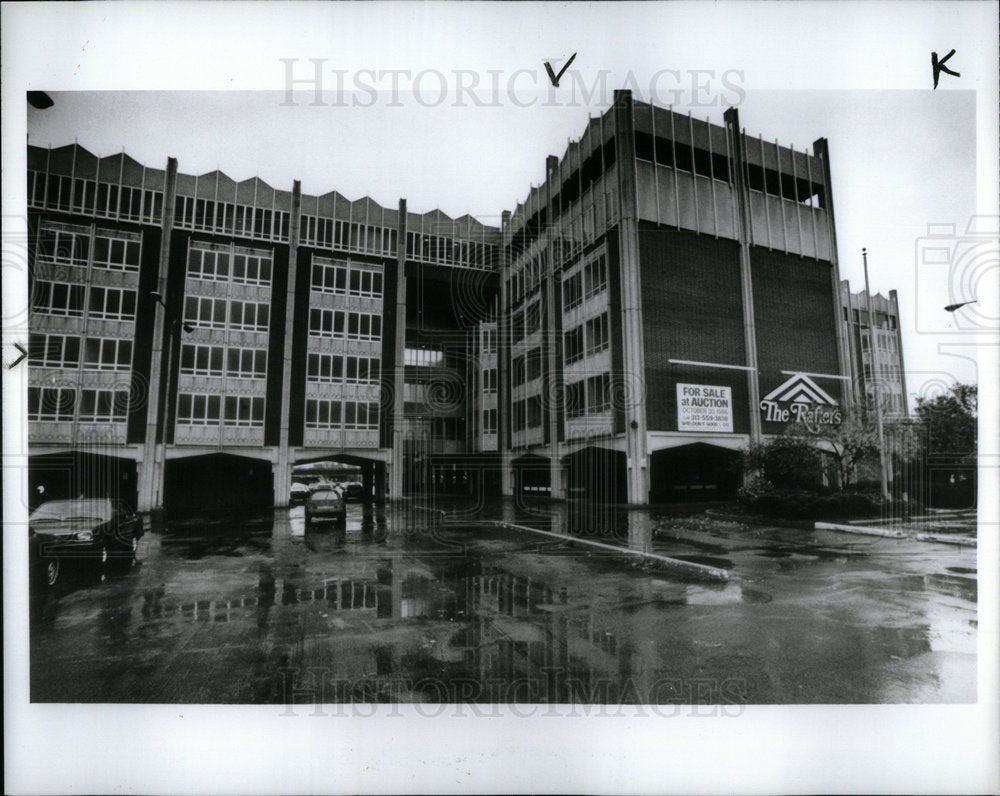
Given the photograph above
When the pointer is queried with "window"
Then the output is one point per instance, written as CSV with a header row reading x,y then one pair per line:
x,y
574,399
251,269
325,368
103,406
573,345
326,323
57,298
595,276
51,403
364,326
532,317
489,421
534,411
115,254
201,360
362,370
365,282
195,409
322,413
53,351
244,411
597,334
423,357
598,393
517,369
360,415
490,380
865,341
207,313
517,327
84,195
208,265
489,341
518,415
58,194
66,247
112,303
534,364
857,316
328,277
246,363
248,315
107,353
572,290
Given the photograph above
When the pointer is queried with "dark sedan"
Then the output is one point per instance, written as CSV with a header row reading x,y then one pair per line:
x,y
325,504
97,530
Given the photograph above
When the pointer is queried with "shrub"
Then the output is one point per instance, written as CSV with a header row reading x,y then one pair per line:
x,y
789,463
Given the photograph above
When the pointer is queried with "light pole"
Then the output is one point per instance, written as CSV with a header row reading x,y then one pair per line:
x,y
872,342
165,414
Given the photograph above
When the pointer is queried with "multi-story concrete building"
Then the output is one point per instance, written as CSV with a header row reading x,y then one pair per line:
x,y
194,337
876,348
669,293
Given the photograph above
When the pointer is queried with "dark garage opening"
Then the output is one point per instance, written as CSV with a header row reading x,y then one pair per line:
x,y
58,476
532,475
694,472
596,475
217,484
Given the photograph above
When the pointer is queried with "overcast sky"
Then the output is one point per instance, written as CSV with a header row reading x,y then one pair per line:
x,y
903,156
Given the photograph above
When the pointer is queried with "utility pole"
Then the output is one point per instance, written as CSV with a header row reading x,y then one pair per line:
x,y
873,343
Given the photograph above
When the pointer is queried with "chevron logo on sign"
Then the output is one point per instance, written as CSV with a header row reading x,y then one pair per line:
x,y
800,388
800,399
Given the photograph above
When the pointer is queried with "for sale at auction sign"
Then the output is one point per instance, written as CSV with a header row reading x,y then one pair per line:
x,y
704,407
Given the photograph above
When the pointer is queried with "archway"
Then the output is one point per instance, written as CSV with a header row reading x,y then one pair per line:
x,y
694,472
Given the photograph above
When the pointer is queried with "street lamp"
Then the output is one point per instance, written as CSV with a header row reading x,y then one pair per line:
x,y
873,345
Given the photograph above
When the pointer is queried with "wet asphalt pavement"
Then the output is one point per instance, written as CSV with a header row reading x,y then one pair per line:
x,y
401,606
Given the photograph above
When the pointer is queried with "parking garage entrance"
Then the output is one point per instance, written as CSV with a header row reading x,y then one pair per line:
x,y
596,475
367,477
532,475
694,472
72,474
216,484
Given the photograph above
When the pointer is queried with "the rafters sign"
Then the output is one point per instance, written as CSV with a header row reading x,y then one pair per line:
x,y
800,399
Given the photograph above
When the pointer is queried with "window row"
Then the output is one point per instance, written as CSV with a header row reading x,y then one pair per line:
x,y
527,413
218,266
489,421
526,367
60,192
63,351
442,249
490,380
72,247
344,280
230,219
198,409
586,339
345,325
211,313
59,298
211,360
489,341
588,396
336,414
330,368
526,322
327,233
60,404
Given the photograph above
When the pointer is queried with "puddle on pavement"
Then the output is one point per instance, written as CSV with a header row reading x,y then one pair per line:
x,y
962,570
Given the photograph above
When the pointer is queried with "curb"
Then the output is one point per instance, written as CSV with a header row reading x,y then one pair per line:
x,y
687,567
858,529
778,522
955,540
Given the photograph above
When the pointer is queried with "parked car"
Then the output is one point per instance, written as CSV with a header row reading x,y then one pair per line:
x,y
299,493
326,505
354,490
100,531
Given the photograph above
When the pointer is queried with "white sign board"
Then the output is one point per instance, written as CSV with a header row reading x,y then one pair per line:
x,y
704,407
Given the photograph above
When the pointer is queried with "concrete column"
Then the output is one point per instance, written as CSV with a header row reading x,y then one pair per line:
x,y
151,471
504,403
822,151
632,390
283,468
742,198
553,333
380,473
399,377
368,481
